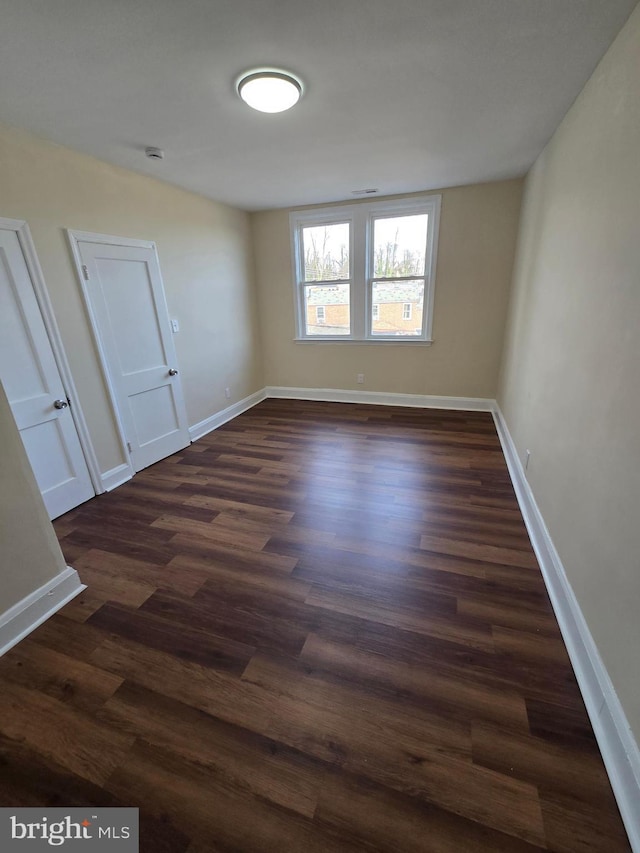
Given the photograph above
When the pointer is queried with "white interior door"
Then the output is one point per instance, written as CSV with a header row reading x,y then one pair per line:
x,y
125,295
33,385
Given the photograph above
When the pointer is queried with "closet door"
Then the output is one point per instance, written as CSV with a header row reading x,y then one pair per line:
x,y
125,295
34,387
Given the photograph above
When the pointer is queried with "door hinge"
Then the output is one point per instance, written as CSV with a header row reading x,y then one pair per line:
x,y
129,447
85,272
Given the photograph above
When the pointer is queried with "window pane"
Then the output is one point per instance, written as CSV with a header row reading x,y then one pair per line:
x,y
326,252
326,309
396,308
399,245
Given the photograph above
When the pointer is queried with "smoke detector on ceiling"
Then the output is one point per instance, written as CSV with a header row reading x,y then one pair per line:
x,y
154,153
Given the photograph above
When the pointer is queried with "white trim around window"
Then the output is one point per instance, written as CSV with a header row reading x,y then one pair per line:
x,y
357,278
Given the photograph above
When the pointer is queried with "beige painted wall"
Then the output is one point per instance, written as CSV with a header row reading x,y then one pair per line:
x,y
29,551
205,257
478,229
571,373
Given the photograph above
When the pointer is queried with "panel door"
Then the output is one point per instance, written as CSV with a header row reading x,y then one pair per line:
x,y
127,300
33,385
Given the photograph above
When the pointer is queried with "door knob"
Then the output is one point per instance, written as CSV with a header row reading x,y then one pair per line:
x,y
60,404
172,371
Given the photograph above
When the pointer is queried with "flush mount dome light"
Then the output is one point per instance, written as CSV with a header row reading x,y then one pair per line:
x,y
269,90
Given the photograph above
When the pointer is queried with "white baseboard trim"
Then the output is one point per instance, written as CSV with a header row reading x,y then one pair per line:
x,y
209,424
616,741
381,398
25,616
336,395
116,476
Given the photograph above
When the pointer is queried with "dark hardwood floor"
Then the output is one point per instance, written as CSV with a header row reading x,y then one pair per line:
x,y
319,628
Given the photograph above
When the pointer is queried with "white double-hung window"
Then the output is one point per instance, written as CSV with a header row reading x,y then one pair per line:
x,y
366,272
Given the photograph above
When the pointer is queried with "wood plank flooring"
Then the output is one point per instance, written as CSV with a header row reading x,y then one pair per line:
x,y
319,628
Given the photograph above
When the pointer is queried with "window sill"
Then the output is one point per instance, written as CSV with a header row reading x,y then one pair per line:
x,y
366,341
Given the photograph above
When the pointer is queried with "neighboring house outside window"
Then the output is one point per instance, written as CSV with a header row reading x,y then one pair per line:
x,y
366,272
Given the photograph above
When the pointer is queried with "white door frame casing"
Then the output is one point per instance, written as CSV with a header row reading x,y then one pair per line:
x,y
127,470
23,233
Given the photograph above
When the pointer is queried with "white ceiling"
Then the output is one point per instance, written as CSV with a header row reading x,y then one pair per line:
x,y
401,95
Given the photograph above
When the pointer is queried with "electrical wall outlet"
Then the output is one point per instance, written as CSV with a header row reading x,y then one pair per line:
x,y
227,393
175,326
360,378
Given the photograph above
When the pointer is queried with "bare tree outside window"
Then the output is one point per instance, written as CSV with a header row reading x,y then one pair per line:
x,y
399,249
326,252
326,279
399,246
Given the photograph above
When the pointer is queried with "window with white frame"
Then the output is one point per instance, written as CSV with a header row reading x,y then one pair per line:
x,y
363,270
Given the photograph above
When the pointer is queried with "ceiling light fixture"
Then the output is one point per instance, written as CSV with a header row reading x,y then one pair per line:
x,y
269,90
